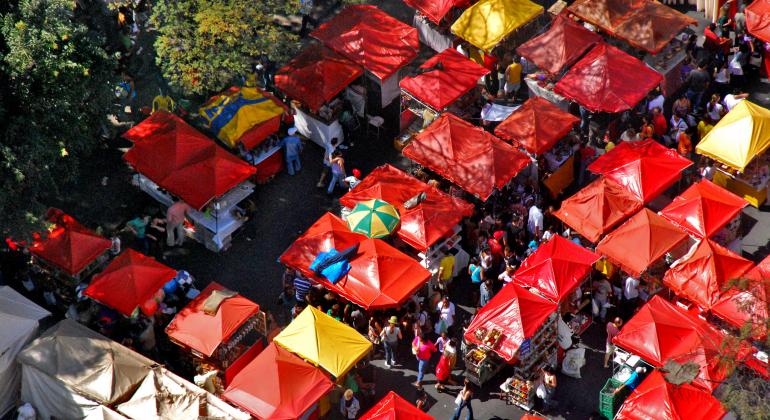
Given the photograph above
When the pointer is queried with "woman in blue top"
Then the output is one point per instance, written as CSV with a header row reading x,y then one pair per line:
x,y
475,271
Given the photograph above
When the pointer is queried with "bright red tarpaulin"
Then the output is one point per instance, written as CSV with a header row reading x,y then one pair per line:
x,y
556,268
441,86
701,276
316,76
608,80
640,241
655,398
465,154
130,280
646,168
202,332
394,407
183,161
703,209
598,208
661,331
435,10
277,385
421,226
560,46
514,311
758,19
537,125
70,246
749,303
370,38
380,276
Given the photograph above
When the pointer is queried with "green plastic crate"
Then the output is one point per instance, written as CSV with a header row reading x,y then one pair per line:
x,y
609,403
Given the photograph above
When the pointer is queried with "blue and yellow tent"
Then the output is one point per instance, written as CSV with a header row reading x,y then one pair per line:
x,y
245,114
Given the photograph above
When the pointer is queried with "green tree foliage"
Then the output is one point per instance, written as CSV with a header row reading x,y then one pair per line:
x,y
203,45
56,85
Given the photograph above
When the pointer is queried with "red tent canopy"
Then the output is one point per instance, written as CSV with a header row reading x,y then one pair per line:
x,y
560,46
703,209
661,331
422,225
183,161
465,154
130,280
514,311
652,27
758,19
701,275
440,87
393,407
646,168
640,241
435,10
608,80
370,38
556,268
750,303
277,385
657,399
537,125
380,276
316,76
604,13
69,246
598,208
203,332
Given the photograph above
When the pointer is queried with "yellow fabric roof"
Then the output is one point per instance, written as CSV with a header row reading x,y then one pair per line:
x,y
324,341
739,136
488,22
233,113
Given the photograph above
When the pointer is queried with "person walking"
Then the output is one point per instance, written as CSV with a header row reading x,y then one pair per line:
x,y
175,216
446,310
338,172
349,405
464,401
329,149
549,382
292,146
422,348
306,10
613,329
390,337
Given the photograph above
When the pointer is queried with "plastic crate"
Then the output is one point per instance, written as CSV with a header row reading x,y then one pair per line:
x,y
609,402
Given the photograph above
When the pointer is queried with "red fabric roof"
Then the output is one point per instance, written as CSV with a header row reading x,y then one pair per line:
x,y
608,80
130,280
380,276
646,168
560,46
465,154
652,27
183,161
701,276
203,332
657,399
758,19
316,76
371,38
435,10
556,268
649,236
661,331
394,407
598,208
703,209
537,125
514,311
277,385
439,88
422,225
750,303
604,13
69,246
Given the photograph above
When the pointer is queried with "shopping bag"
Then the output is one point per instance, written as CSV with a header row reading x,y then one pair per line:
x,y
459,399
540,391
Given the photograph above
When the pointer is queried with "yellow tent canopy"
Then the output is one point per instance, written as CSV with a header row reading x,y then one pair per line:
x,y
488,22
739,136
233,113
324,341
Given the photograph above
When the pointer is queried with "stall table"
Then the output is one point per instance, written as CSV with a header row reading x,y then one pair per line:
x,y
669,64
536,90
430,35
321,133
753,192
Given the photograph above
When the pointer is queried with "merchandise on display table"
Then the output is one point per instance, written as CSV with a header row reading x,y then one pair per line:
x,y
481,364
537,350
752,184
319,132
520,392
265,149
669,64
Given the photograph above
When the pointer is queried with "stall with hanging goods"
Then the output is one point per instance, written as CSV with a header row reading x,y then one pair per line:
x,y
432,19
704,209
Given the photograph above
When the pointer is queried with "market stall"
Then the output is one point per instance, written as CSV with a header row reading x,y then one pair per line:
x,y
380,276
738,143
757,23
516,327
740,306
432,19
392,406
538,126
559,47
221,329
466,155
278,385
645,168
250,117
490,24
598,208
315,79
172,159
704,209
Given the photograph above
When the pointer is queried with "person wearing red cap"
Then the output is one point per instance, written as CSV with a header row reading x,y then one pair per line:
x,y
353,180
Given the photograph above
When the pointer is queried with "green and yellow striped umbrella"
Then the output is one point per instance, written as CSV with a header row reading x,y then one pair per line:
x,y
373,218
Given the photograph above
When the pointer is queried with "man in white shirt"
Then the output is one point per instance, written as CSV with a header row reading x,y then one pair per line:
x,y
732,99
657,102
630,295
535,221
